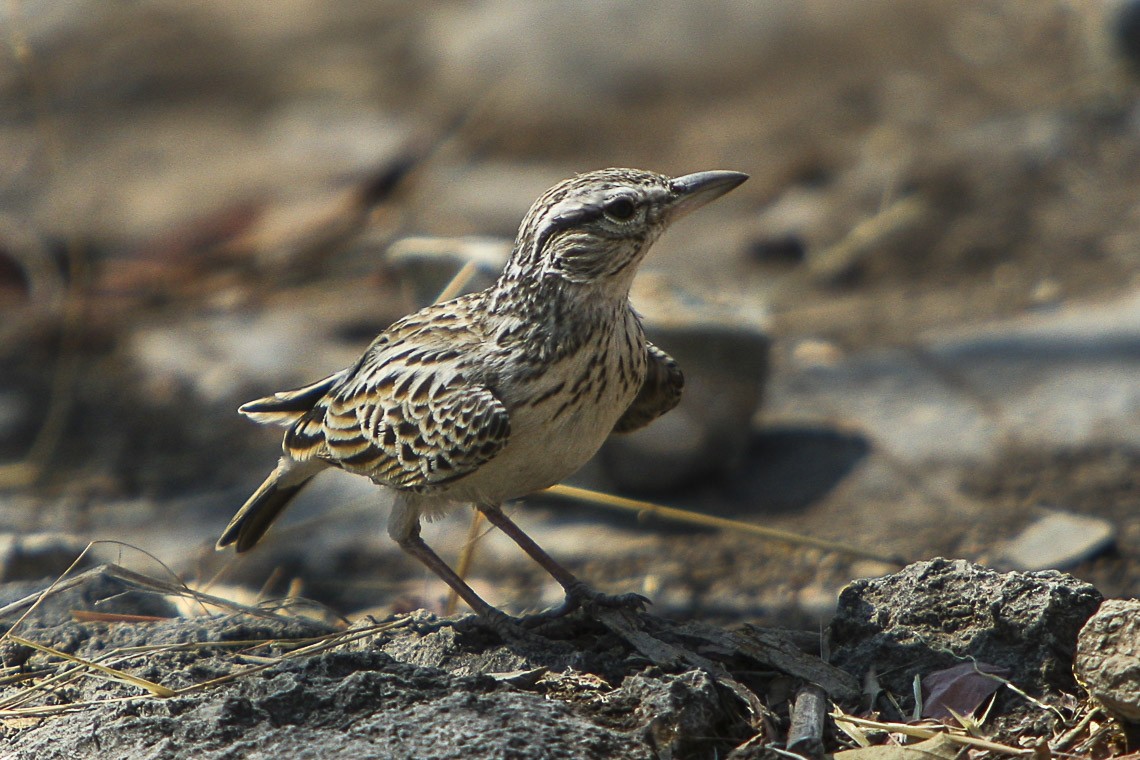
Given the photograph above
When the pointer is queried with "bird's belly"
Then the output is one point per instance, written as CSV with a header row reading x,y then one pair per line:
x,y
538,455
558,419
547,444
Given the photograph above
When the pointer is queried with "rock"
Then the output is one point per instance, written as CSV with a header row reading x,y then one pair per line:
x,y
428,264
723,350
1108,658
678,712
372,696
1058,541
35,556
29,267
1062,379
1127,32
15,416
102,593
780,250
932,615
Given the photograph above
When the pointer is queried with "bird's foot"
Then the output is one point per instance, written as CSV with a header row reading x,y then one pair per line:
x,y
581,596
506,627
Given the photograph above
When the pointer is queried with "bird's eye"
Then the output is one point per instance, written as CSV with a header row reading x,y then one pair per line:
x,y
620,209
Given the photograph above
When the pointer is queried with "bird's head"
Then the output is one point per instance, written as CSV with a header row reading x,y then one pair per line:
x,y
595,228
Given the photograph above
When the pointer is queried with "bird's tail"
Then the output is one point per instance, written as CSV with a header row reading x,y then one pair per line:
x,y
286,407
262,508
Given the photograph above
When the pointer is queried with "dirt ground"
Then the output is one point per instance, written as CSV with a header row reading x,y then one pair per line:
x,y
941,229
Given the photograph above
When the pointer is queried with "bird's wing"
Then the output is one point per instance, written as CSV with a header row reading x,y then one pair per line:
x,y
409,416
660,392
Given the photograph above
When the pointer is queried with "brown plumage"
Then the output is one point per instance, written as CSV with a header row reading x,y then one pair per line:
x,y
503,392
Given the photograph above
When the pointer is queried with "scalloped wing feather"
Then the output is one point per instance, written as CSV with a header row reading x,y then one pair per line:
x,y
408,417
660,392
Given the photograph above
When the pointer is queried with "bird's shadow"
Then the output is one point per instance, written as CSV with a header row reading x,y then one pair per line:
x,y
787,469
783,470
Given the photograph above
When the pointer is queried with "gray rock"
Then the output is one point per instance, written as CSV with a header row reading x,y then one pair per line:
x,y
932,615
34,556
102,593
1063,378
723,350
1059,541
362,699
1108,658
15,413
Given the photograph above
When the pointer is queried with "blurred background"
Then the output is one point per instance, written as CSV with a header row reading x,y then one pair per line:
x,y
915,331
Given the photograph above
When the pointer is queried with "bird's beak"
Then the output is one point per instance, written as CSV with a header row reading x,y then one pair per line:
x,y
695,190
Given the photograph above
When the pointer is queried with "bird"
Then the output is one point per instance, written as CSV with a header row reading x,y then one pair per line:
x,y
499,393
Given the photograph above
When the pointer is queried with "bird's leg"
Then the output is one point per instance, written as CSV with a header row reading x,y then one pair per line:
x,y
498,620
577,592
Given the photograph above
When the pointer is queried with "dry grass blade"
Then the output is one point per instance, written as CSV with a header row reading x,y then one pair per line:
x,y
457,283
919,732
136,581
1022,693
44,711
87,616
156,689
453,288
711,521
466,557
1065,740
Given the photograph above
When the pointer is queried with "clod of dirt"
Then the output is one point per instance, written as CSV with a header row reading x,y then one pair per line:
x,y
1108,658
31,556
935,614
99,593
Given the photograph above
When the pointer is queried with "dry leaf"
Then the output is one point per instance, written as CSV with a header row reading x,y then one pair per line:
x,y
960,689
938,748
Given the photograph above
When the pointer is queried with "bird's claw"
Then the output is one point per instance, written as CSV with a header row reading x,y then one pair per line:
x,y
582,596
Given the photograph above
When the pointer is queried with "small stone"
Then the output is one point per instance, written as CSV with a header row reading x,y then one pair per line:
x,y
1108,658
36,556
816,353
1046,292
1058,541
1127,32
780,250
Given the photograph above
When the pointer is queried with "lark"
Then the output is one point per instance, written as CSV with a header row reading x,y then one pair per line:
x,y
500,393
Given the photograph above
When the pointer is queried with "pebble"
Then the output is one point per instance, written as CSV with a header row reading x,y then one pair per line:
x,y
1108,658
35,556
1058,541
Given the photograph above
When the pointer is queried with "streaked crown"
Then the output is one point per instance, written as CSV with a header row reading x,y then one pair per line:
x,y
595,228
